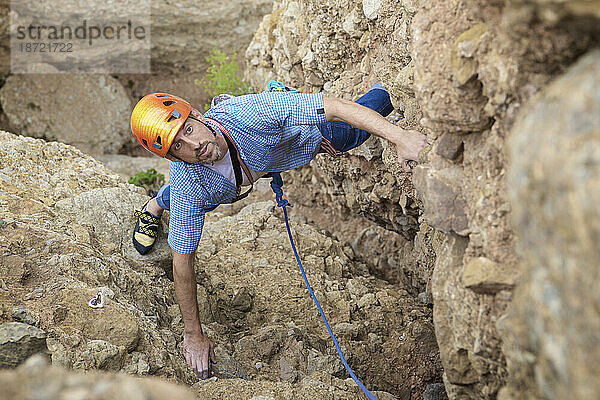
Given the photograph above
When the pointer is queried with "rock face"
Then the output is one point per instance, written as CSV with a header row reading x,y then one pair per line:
x,y
66,236
182,36
552,329
54,383
446,105
459,72
4,38
332,50
18,341
62,217
89,112
127,166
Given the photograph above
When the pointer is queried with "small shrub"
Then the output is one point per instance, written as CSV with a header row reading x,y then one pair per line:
x,y
222,76
149,180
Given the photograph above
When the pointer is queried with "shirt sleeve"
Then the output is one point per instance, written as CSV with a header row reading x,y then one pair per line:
x,y
185,223
278,110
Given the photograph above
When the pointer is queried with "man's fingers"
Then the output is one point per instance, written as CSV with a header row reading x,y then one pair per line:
x,y
203,365
189,359
197,352
192,363
212,354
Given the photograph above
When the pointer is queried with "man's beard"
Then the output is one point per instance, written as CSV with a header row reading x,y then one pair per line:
x,y
216,149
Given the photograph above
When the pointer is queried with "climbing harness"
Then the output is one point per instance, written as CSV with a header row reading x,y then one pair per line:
x,y
276,185
237,162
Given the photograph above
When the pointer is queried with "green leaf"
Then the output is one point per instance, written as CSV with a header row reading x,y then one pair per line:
x,y
222,76
149,180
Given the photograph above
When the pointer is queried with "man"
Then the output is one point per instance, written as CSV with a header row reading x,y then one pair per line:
x,y
233,144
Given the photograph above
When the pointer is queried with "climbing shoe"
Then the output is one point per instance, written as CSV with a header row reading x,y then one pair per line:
x,y
276,86
145,231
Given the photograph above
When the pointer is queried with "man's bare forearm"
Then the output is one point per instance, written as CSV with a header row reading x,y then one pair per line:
x,y
408,142
359,117
185,290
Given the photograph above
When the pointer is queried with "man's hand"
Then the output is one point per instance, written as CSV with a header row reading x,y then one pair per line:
x,y
197,348
408,146
408,143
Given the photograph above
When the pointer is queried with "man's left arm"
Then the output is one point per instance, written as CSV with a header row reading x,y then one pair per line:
x,y
408,142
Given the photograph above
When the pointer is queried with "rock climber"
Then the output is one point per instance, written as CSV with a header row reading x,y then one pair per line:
x,y
233,144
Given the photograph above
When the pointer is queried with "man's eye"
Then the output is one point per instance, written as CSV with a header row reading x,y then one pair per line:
x,y
177,146
188,129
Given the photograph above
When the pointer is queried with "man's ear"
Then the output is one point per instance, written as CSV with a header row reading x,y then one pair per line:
x,y
195,113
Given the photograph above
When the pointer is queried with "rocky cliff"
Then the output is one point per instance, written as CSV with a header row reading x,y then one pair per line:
x,y
65,237
91,112
478,269
472,75
182,34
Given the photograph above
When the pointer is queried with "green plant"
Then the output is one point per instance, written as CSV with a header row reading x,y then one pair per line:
x,y
222,76
149,180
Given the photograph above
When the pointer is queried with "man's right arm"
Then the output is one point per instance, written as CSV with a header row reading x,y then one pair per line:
x,y
197,348
185,290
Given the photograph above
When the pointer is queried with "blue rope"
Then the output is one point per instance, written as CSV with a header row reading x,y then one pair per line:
x,y
276,185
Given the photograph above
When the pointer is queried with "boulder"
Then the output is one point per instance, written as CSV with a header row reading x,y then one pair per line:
x,y
103,224
24,315
483,275
183,36
127,166
442,197
553,330
18,341
90,112
54,383
112,324
100,354
450,146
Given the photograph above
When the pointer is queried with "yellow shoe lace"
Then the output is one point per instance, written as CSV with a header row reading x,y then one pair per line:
x,y
147,221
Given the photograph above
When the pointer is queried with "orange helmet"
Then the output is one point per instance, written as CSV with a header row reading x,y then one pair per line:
x,y
156,119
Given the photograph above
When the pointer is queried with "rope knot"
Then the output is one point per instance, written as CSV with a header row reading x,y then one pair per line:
x,y
276,185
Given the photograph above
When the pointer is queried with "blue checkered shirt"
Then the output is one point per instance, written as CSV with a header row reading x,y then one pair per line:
x,y
273,132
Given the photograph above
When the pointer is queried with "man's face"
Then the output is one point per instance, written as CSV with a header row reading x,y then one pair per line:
x,y
195,143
